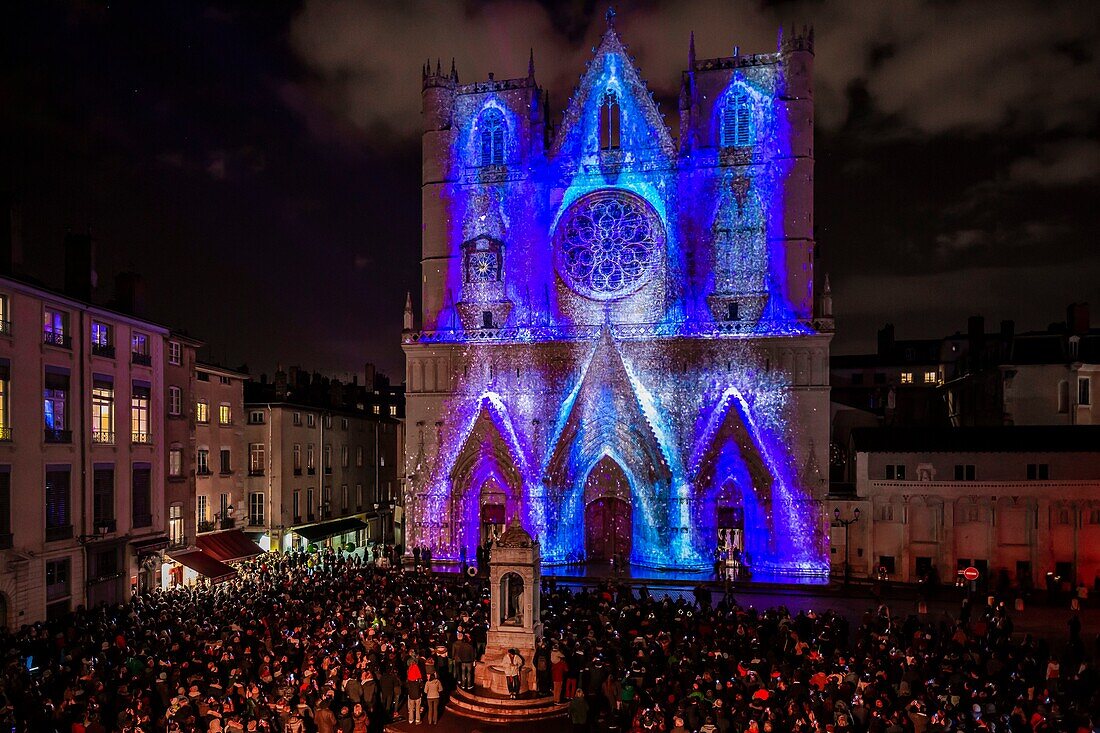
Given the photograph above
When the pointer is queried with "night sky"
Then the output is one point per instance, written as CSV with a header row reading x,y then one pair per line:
x,y
259,163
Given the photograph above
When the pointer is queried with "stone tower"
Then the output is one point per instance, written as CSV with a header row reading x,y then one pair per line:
x,y
619,341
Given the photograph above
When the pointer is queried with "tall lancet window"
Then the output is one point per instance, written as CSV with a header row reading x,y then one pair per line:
x,y
491,127
737,121
610,121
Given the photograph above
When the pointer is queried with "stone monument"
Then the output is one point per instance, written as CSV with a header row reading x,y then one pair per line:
x,y
514,585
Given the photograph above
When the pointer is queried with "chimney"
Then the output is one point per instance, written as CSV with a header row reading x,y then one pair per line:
x,y
280,384
975,329
369,381
886,340
1077,318
130,293
80,277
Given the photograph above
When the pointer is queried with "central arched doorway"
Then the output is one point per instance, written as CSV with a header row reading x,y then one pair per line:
x,y
608,520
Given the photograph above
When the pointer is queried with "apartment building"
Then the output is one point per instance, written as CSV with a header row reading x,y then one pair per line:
x,y
322,470
1021,504
81,448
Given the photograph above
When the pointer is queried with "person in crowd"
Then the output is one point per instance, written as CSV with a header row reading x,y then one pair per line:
x,y
433,690
276,648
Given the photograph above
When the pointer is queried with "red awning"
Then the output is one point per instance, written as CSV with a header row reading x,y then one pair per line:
x,y
228,546
204,565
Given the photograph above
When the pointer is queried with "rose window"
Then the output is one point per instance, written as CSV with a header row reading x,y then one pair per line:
x,y
608,243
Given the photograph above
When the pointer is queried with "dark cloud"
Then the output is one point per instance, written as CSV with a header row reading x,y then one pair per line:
x,y
259,162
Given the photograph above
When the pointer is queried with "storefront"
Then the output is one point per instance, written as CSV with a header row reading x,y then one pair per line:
x,y
338,533
146,563
229,546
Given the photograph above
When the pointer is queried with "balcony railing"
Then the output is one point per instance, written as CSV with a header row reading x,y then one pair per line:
x,y
255,472
6,539
103,437
205,526
105,526
255,521
175,543
228,523
297,472
141,437
143,520
53,534
5,328
54,435
105,350
5,435
51,338
141,359
328,470
311,470
298,519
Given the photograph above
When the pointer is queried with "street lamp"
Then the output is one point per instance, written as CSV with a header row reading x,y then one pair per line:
x,y
846,523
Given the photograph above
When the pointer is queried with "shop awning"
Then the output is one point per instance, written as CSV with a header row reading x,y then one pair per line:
x,y
324,530
146,545
204,565
228,546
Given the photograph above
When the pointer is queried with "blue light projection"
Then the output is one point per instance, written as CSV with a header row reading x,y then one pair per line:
x,y
632,313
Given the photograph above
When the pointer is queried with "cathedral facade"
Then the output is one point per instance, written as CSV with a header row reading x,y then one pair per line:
x,y
619,340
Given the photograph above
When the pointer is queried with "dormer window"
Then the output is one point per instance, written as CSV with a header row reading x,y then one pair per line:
x,y
610,121
737,121
491,128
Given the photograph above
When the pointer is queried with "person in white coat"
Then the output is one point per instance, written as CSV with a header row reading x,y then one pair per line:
x,y
512,664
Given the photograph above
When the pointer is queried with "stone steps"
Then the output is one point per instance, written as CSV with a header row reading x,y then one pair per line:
x,y
493,709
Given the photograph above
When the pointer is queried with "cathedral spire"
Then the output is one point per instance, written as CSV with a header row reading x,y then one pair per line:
x,y
454,72
610,17
407,324
691,53
531,64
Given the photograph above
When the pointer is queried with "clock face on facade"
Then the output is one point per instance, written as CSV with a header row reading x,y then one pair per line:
x,y
483,266
608,243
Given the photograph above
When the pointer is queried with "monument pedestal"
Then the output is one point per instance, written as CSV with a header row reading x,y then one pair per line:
x,y
514,583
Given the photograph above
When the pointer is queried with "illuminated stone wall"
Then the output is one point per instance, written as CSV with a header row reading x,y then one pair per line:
x,y
602,291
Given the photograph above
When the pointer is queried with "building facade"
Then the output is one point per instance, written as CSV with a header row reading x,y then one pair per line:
x,y
323,466
81,453
618,336
221,451
1020,504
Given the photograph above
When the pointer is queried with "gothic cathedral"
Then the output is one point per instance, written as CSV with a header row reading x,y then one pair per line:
x,y
620,343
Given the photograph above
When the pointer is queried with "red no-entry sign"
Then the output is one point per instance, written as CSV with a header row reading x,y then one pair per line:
x,y
971,573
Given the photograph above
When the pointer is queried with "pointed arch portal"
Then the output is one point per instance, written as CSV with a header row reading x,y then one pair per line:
x,y
608,513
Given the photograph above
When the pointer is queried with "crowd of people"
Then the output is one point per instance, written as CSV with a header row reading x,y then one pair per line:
x,y
330,644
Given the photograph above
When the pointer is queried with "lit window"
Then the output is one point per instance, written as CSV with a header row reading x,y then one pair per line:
x,y
139,344
377,409
175,462
907,377
225,414
175,353
931,377
101,336
55,327
491,128
202,411
393,410
737,121
139,414
256,459
103,411
610,121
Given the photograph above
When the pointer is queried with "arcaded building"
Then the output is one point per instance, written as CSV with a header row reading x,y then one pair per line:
x,y
619,340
